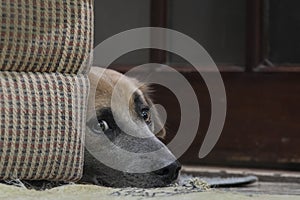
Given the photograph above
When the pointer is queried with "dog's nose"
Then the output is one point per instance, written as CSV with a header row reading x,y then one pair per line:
x,y
170,172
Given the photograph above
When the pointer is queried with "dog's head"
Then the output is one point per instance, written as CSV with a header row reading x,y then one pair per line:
x,y
111,122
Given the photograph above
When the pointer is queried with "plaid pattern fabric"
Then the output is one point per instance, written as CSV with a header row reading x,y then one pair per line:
x,y
46,35
42,121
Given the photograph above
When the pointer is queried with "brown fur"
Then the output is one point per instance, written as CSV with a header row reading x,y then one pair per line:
x,y
106,84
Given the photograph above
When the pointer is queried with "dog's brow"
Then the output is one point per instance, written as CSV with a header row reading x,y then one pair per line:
x,y
104,110
105,113
139,102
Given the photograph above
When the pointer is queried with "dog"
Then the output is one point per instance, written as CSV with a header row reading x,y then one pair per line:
x,y
145,121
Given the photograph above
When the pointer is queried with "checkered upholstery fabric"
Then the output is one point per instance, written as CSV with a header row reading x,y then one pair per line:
x,y
42,121
45,35
45,51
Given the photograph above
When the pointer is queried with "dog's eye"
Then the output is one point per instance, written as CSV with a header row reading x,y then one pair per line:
x,y
146,115
101,126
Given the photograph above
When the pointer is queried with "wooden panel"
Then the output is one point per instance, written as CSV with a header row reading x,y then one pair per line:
x,y
262,128
283,27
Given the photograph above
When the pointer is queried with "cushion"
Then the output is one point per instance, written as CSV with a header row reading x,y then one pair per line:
x,y
42,122
46,35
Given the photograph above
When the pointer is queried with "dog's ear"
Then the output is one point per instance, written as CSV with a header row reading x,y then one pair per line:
x,y
159,128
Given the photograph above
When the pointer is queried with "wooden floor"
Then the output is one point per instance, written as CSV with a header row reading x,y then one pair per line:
x,y
270,181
